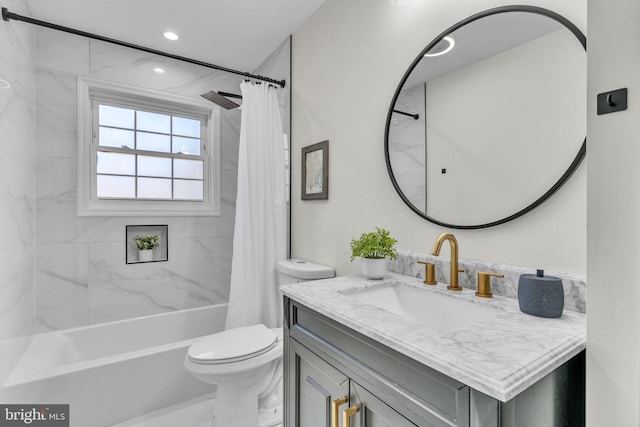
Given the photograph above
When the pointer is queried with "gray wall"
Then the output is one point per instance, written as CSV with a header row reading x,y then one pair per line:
x,y
613,321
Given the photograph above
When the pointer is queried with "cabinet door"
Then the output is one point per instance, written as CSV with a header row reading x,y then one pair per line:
x,y
314,385
373,412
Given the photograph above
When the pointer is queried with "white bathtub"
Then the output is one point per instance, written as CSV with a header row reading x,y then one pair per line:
x,y
114,371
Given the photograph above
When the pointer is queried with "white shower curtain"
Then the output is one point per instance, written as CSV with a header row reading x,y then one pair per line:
x,y
259,239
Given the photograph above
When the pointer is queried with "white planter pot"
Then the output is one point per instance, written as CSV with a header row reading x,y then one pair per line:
x,y
145,255
374,268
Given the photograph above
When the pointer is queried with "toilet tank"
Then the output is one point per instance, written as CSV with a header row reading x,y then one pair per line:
x,y
298,270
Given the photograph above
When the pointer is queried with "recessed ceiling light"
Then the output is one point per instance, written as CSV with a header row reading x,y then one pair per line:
x,y
170,35
443,46
4,84
401,2
159,70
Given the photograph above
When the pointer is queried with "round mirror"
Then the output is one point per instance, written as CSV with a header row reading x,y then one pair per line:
x,y
490,119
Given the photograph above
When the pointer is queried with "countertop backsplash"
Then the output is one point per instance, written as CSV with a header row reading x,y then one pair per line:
x,y
575,286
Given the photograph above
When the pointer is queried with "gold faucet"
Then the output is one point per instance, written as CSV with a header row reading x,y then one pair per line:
x,y
453,281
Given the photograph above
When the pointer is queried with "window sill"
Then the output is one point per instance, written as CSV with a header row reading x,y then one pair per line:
x,y
144,208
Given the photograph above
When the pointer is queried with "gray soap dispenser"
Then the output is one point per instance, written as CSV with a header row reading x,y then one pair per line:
x,y
540,295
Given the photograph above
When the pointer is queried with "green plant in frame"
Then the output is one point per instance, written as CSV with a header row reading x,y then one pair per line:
x,y
375,244
147,242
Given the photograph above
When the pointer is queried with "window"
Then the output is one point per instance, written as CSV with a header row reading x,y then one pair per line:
x,y
143,152
147,155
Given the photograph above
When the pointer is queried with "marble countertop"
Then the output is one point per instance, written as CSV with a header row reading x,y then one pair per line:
x,y
500,356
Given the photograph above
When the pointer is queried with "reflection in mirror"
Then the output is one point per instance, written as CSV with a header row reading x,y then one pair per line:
x,y
495,117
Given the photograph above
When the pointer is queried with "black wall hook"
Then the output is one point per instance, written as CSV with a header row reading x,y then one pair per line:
x,y
610,102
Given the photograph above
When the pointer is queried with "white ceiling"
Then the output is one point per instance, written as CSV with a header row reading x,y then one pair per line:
x,y
236,34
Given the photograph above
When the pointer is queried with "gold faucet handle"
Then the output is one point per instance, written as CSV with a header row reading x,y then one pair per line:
x,y
430,273
484,284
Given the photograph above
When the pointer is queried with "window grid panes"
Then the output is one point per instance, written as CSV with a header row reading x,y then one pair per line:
x,y
148,155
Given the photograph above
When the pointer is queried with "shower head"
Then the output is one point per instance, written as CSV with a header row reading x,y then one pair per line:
x,y
220,99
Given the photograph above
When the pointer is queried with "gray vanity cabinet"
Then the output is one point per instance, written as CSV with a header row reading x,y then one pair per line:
x,y
316,385
319,385
325,361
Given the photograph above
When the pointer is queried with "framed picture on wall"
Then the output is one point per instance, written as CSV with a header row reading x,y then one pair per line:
x,y
315,171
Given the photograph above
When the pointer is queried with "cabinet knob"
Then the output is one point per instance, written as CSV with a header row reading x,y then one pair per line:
x,y
335,404
347,413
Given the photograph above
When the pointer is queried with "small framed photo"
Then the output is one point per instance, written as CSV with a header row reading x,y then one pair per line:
x,y
315,171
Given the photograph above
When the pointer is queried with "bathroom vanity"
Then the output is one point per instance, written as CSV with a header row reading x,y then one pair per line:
x,y
396,352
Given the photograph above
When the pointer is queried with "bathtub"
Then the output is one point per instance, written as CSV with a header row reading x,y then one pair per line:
x,y
114,371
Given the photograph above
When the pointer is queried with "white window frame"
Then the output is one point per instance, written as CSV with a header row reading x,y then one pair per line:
x,y
88,202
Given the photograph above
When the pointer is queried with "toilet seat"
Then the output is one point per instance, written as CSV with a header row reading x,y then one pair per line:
x,y
233,345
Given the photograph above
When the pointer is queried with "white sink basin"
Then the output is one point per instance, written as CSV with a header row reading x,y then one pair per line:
x,y
438,312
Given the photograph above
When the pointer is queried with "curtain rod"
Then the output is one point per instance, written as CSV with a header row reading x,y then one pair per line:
x,y
6,15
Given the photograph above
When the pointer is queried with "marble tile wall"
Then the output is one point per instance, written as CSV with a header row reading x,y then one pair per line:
x,y
407,145
81,276
16,190
575,286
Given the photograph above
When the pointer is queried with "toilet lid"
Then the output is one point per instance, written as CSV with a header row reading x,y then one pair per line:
x,y
233,345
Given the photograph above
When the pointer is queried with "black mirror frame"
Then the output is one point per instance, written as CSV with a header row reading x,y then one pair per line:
x,y
565,176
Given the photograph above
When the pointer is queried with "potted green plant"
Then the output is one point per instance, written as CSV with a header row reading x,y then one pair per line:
x,y
146,245
374,248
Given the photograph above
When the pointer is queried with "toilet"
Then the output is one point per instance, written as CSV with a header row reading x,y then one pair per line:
x,y
246,363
